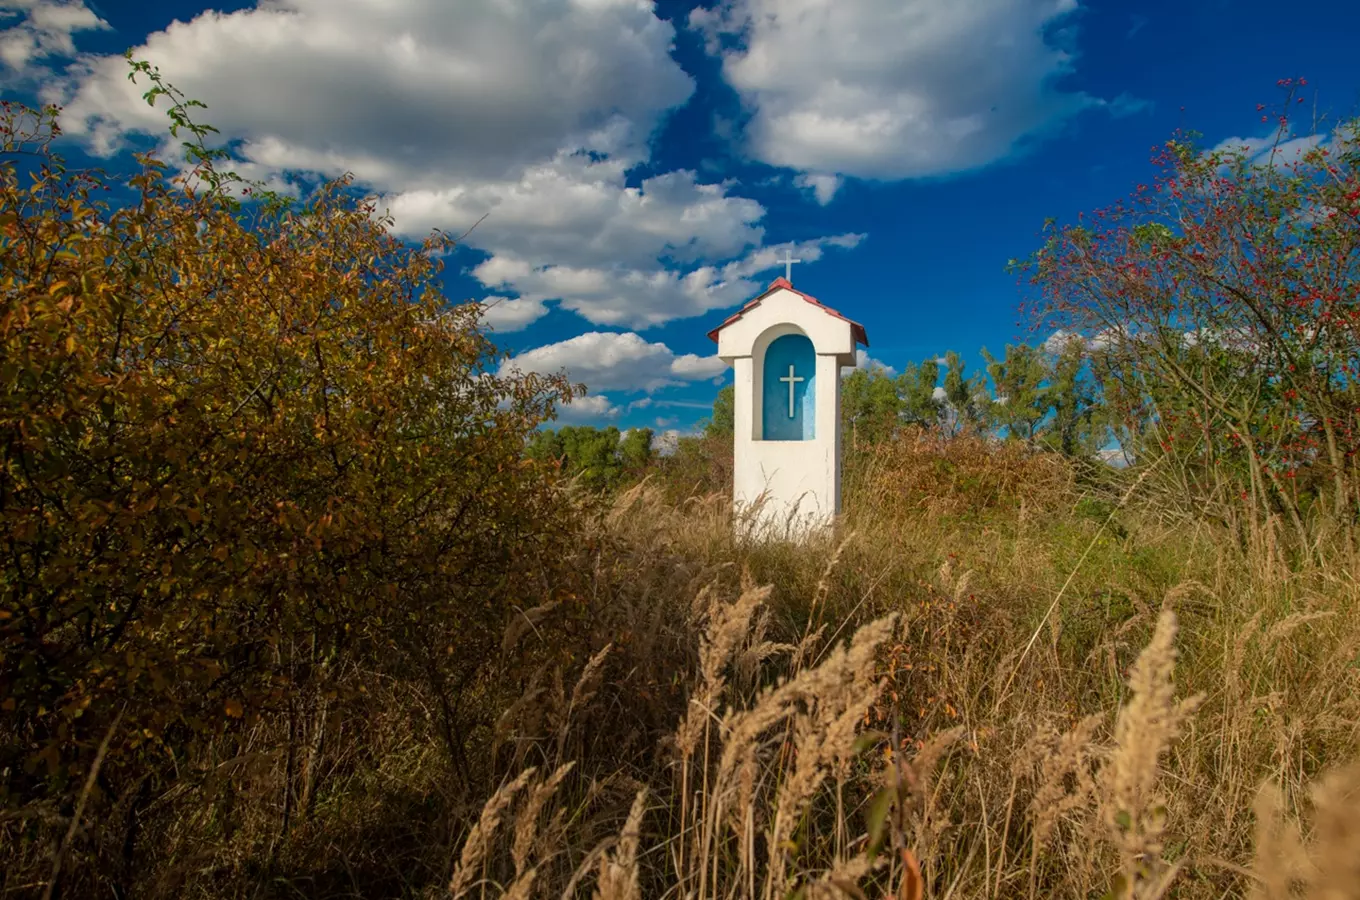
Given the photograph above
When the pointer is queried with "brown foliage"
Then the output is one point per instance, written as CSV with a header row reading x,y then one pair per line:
x,y
241,460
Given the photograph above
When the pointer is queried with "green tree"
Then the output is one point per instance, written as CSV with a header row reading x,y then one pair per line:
x,y
635,449
598,458
1022,401
1076,427
966,402
871,407
919,385
722,424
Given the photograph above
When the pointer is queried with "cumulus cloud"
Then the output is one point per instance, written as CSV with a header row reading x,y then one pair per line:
x,y
895,88
864,361
591,407
1278,151
641,298
405,90
1102,340
606,361
823,187
668,441
1238,339
766,258
578,209
521,116
505,314
1110,337
1059,340
1233,338
32,31
616,296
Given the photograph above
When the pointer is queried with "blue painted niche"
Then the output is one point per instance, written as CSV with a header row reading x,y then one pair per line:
x,y
791,353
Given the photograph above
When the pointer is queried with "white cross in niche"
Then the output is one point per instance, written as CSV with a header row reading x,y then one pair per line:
x,y
788,266
792,379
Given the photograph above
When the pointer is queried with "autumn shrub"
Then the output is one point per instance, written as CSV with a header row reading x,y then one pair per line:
x,y
253,463
1220,302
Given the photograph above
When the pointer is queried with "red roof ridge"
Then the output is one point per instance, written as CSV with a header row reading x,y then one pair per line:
x,y
857,331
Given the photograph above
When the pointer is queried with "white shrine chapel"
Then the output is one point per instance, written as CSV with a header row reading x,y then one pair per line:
x,y
787,350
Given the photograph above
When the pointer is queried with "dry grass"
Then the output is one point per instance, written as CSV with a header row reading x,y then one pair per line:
x,y
993,682
943,751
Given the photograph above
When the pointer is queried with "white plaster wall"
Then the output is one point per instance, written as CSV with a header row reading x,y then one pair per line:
x,y
786,489
828,333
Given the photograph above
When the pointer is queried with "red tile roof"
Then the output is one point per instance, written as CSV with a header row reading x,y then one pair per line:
x,y
856,329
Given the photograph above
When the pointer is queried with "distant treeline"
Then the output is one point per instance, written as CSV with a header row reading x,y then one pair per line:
x,y
1209,327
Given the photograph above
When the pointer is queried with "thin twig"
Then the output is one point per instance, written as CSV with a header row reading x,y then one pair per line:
x,y
80,806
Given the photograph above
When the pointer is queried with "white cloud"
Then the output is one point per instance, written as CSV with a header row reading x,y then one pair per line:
x,y
1110,337
938,393
504,314
527,113
588,408
668,441
1279,151
1058,341
572,209
895,88
615,361
767,258
406,90
864,361
34,30
1102,340
640,298
1236,338
682,404
823,187
618,296
694,367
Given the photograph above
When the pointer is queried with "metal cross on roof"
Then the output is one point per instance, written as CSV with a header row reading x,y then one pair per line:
x,y
788,266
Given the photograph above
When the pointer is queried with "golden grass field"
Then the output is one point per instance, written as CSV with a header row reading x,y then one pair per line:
x,y
990,683
995,680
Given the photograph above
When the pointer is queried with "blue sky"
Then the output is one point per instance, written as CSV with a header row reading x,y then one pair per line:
x,y
641,165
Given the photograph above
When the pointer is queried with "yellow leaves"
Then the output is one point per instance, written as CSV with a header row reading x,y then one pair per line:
x,y
164,422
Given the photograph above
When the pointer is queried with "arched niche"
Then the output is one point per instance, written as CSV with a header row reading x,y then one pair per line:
x,y
787,365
